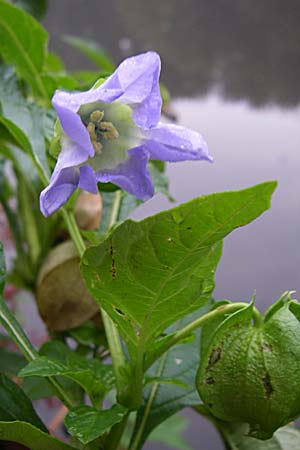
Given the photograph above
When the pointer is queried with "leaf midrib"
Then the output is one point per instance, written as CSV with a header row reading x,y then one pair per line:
x,y
199,244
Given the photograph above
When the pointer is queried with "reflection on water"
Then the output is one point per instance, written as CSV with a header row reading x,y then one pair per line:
x,y
245,49
236,58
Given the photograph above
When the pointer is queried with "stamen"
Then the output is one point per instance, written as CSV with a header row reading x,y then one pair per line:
x,y
93,136
96,117
108,130
99,129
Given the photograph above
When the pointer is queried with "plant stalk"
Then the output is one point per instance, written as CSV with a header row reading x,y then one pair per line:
x,y
187,330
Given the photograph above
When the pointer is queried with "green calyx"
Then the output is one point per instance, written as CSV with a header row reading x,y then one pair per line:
x,y
249,371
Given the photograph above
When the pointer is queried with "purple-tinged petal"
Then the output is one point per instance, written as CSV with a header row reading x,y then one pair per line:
x,y
132,175
61,187
67,106
169,142
138,78
87,180
71,123
71,154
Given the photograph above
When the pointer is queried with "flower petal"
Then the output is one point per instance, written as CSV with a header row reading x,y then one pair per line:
x,y
169,142
71,154
71,122
132,175
87,180
61,187
138,78
67,105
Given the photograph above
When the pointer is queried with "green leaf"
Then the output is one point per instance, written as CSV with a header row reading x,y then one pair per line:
x,y
33,7
23,44
30,436
37,387
170,433
7,319
286,438
26,123
86,78
93,51
93,376
160,400
87,334
11,362
87,424
15,405
148,274
128,203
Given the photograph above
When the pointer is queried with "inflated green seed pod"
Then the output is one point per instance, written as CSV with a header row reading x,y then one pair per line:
x,y
61,295
249,370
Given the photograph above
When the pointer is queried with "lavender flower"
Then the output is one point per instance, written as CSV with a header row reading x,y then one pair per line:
x,y
110,132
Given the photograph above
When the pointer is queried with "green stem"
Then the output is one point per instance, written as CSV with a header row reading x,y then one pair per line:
x,y
30,228
115,209
116,434
138,436
257,317
115,348
187,330
136,386
74,231
13,327
112,334
15,331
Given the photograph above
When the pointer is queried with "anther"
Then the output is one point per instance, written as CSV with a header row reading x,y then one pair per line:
x,y
108,130
96,117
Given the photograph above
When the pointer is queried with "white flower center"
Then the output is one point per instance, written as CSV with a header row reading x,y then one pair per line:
x,y
112,132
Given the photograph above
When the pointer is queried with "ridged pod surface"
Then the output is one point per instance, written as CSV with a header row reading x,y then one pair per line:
x,y
249,369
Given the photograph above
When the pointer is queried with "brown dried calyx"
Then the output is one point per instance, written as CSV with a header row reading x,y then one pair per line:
x,y
62,297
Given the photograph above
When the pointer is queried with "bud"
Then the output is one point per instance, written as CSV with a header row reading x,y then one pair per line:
x,y
88,210
249,370
62,297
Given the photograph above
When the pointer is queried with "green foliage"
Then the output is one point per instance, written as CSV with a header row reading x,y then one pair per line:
x,y
161,400
36,8
15,405
26,123
87,424
11,362
248,372
170,433
30,436
23,44
93,51
149,274
37,387
95,378
7,319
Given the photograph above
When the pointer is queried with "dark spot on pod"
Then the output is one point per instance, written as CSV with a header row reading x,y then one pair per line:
x,y
210,380
265,347
214,357
119,311
267,385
